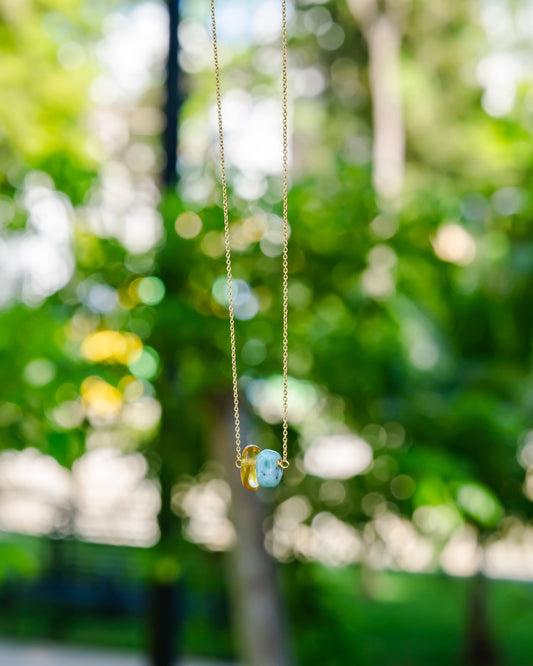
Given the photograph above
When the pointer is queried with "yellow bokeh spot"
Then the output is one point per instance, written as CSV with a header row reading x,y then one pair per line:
x,y
100,399
212,244
126,299
111,347
254,228
131,388
132,291
188,225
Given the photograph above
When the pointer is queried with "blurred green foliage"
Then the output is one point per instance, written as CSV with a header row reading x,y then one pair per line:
x,y
385,329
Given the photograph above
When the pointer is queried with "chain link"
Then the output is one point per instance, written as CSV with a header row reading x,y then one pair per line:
x,y
284,462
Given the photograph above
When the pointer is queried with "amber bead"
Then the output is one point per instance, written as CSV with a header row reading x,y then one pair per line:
x,y
248,473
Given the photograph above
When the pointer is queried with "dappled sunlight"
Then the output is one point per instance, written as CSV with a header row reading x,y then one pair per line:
x,y
132,388
455,244
35,492
271,243
143,414
68,415
528,485
195,42
111,347
115,502
378,279
137,225
505,68
188,225
508,200
81,324
525,458
205,506
384,226
97,296
253,130
245,302
106,498
420,336
141,31
404,547
105,405
388,541
480,503
37,260
462,555
101,401
149,290
265,396
123,203
111,437
252,119
511,555
39,372
438,521
327,540
338,456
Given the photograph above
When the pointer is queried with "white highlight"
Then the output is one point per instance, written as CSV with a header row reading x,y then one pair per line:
x,y
338,456
453,243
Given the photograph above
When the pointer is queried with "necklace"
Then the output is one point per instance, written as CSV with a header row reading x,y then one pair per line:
x,y
258,467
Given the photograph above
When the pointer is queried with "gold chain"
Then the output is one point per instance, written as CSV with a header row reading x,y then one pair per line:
x,y
227,243
285,280
284,463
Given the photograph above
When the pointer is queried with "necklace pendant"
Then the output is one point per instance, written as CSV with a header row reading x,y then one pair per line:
x,y
260,468
248,467
267,469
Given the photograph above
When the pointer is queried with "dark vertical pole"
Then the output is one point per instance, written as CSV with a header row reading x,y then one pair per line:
x,y
172,103
164,615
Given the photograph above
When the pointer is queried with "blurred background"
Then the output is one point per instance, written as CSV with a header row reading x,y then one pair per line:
x,y
401,534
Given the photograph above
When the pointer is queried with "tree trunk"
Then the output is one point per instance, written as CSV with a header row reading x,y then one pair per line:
x,y
257,610
384,42
164,619
381,27
173,99
480,647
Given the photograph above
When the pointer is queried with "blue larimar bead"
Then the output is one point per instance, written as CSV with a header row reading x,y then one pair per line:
x,y
267,469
